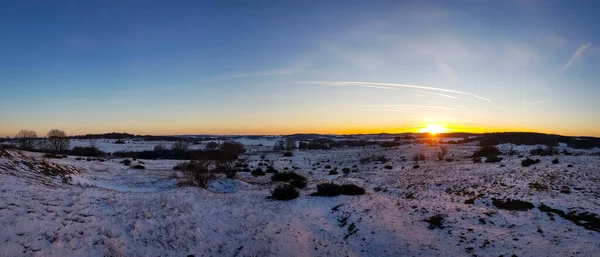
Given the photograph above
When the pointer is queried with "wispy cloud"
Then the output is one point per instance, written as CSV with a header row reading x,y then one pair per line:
x,y
438,94
576,55
537,102
390,85
295,68
409,107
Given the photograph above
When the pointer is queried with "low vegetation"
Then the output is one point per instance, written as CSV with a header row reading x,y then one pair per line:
x,y
285,193
373,158
512,205
330,189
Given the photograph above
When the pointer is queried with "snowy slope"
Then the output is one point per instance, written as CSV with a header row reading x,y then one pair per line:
x,y
107,209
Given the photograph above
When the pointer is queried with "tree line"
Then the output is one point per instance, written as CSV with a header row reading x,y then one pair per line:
x,y
56,140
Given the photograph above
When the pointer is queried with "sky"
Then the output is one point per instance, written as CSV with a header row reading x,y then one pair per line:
x,y
282,67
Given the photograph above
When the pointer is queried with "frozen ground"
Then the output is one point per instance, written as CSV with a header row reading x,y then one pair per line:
x,y
107,209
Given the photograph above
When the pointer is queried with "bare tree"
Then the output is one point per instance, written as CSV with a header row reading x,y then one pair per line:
x,y
443,151
57,140
26,139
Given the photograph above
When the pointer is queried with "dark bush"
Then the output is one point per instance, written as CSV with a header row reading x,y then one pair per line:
x,y
285,193
86,151
333,172
555,161
349,189
418,157
544,152
138,167
270,169
485,151
330,189
527,162
119,142
416,166
196,173
232,149
373,158
126,162
512,205
258,172
346,170
288,154
328,166
226,167
286,176
390,143
389,167
435,221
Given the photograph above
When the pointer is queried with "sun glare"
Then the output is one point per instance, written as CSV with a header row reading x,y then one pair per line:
x,y
433,129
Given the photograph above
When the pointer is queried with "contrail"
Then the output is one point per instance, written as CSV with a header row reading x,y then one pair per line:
x,y
389,86
576,55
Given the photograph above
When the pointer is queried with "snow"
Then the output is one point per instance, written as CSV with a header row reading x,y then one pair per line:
x,y
108,209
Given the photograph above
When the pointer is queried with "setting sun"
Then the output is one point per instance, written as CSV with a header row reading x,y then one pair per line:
x,y
433,129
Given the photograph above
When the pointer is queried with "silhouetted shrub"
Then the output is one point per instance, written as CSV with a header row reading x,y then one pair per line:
x,y
330,189
126,162
416,166
285,193
119,142
288,154
350,189
390,143
374,158
258,172
333,172
270,169
435,221
442,153
196,173
527,162
476,159
544,152
226,167
389,167
485,151
286,176
346,170
138,167
232,149
555,161
86,151
418,157
512,205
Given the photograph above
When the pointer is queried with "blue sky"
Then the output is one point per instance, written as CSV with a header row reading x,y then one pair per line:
x,y
277,67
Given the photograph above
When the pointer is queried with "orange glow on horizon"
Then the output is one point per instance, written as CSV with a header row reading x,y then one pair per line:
x,y
433,129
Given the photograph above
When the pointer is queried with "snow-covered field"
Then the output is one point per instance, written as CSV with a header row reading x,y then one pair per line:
x,y
108,209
